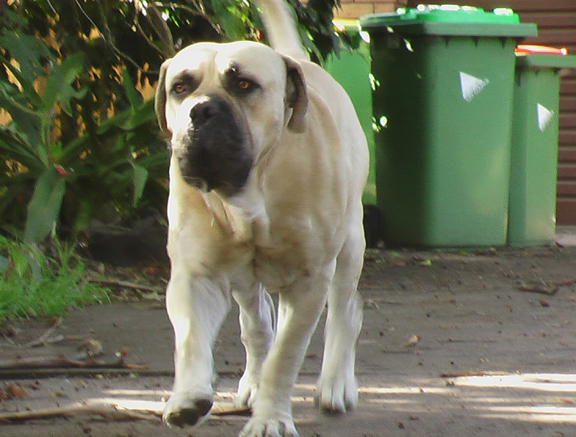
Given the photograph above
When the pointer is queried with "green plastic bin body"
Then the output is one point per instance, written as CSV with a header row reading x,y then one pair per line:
x,y
532,213
443,108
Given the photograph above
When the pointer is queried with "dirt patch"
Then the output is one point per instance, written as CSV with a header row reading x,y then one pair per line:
x,y
454,343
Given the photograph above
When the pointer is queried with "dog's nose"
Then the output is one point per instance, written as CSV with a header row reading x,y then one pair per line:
x,y
203,111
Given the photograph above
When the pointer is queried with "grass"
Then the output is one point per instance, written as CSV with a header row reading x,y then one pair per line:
x,y
34,284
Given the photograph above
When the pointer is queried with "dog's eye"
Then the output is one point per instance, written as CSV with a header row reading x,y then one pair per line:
x,y
244,85
179,88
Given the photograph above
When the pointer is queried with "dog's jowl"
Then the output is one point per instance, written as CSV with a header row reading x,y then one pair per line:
x,y
267,172
214,153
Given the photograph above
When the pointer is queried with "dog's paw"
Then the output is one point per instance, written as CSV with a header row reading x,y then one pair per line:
x,y
247,389
246,397
183,410
336,395
269,428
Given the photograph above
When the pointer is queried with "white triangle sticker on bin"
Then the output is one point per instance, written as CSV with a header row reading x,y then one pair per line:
x,y
544,116
471,86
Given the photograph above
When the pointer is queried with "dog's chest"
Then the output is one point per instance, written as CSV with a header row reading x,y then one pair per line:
x,y
278,271
285,253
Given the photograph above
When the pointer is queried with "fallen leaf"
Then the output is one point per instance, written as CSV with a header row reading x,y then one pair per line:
x,y
91,347
16,391
412,341
398,264
54,321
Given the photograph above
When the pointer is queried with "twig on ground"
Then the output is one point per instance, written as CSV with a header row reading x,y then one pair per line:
x,y
565,283
547,288
231,412
469,374
108,409
46,341
83,361
40,362
124,284
44,337
97,407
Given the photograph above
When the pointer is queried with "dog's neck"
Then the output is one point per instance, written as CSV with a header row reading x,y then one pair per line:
x,y
251,202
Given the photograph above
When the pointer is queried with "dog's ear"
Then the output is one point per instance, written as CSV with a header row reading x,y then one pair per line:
x,y
160,98
296,96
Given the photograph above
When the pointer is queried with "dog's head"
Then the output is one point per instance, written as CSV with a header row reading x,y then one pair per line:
x,y
223,105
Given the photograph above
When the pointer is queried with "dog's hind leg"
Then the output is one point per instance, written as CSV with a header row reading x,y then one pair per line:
x,y
257,326
196,307
337,388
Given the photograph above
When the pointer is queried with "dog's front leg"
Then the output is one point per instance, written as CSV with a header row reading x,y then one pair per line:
x,y
257,325
299,311
196,307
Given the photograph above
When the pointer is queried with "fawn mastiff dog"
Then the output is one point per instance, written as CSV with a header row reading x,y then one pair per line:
x,y
268,165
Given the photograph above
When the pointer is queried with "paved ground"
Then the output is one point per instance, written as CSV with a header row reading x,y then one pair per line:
x,y
477,343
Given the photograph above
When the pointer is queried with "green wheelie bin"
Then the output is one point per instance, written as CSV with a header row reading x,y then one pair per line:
x,y
443,111
534,162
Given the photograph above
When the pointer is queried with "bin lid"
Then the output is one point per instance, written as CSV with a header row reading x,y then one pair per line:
x,y
450,20
545,50
544,57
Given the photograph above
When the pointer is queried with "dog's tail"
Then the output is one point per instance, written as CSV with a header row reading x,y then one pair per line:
x,y
281,30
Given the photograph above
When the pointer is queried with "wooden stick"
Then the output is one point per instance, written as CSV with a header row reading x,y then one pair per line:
x,y
42,339
101,408
106,408
63,362
245,411
547,289
565,283
40,362
470,374
123,284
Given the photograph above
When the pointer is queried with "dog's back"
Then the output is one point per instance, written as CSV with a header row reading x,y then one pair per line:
x,y
325,92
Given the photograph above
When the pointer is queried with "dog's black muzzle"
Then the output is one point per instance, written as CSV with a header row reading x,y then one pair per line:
x,y
214,154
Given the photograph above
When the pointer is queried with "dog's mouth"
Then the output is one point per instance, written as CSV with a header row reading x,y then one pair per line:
x,y
214,153
198,183
204,186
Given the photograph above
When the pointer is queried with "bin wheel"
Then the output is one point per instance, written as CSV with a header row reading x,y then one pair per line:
x,y
372,225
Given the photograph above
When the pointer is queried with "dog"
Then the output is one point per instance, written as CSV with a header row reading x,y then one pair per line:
x,y
267,169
